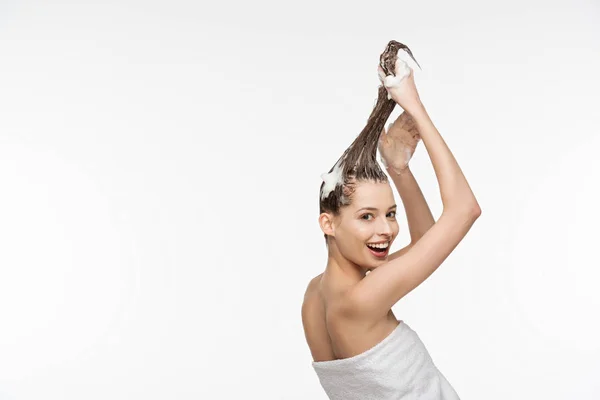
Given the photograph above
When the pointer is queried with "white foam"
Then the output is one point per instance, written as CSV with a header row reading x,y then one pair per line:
x,y
402,70
332,179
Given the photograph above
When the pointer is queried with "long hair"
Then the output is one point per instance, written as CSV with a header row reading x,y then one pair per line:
x,y
359,163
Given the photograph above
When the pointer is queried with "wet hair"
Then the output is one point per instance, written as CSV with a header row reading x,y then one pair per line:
x,y
359,162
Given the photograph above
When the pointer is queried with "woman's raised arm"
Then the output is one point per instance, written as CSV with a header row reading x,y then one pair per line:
x,y
377,292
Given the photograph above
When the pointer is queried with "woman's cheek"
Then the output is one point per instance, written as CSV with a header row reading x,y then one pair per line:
x,y
363,231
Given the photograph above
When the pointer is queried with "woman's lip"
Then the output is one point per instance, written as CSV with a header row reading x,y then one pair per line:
x,y
380,255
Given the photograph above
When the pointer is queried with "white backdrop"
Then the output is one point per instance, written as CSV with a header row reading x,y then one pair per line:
x,y
159,178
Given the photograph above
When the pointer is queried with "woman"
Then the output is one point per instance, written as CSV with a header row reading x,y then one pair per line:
x,y
360,349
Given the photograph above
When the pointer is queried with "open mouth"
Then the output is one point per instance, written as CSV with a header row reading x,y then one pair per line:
x,y
379,251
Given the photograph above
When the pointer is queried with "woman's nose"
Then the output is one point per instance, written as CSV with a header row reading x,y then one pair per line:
x,y
385,228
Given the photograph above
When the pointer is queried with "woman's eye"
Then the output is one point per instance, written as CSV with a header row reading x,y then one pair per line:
x,y
391,214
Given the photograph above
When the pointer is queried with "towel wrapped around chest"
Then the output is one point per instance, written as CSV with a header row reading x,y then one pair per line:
x,y
398,367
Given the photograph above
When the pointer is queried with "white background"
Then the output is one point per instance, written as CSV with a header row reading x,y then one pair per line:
x,y
159,178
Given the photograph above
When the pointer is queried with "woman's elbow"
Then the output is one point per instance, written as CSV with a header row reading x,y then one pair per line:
x,y
475,210
469,209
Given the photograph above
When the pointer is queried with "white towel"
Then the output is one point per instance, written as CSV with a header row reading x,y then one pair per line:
x,y
398,367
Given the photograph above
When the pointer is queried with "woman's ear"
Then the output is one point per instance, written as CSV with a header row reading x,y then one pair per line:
x,y
326,224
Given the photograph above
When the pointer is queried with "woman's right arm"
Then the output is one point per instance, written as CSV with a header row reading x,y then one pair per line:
x,y
378,291
454,189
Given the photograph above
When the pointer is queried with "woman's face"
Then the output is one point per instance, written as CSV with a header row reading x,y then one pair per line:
x,y
370,219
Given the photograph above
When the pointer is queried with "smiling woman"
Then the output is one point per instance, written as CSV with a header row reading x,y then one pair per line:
x,y
360,349
365,229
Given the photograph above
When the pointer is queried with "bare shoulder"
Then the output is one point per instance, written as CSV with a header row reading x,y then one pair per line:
x,y
313,306
314,283
314,322
311,298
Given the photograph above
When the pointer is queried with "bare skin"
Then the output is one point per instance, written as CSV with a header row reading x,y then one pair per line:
x,y
331,336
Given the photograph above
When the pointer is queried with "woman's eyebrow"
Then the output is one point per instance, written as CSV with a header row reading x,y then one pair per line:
x,y
374,208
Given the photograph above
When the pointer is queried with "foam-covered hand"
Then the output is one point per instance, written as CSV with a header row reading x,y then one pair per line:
x,y
401,86
398,145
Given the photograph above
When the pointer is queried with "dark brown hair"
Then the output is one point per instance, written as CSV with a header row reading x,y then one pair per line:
x,y
359,162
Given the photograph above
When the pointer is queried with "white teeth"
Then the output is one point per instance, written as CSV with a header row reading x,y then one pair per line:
x,y
380,245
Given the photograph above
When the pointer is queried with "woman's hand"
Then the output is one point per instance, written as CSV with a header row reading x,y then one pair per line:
x,y
401,88
398,145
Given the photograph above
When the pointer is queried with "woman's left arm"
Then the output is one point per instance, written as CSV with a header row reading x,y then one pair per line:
x,y
417,210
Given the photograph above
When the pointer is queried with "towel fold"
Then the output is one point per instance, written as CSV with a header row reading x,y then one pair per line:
x,y
398,367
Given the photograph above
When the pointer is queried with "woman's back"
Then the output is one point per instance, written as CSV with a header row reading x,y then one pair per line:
x,y
329,334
